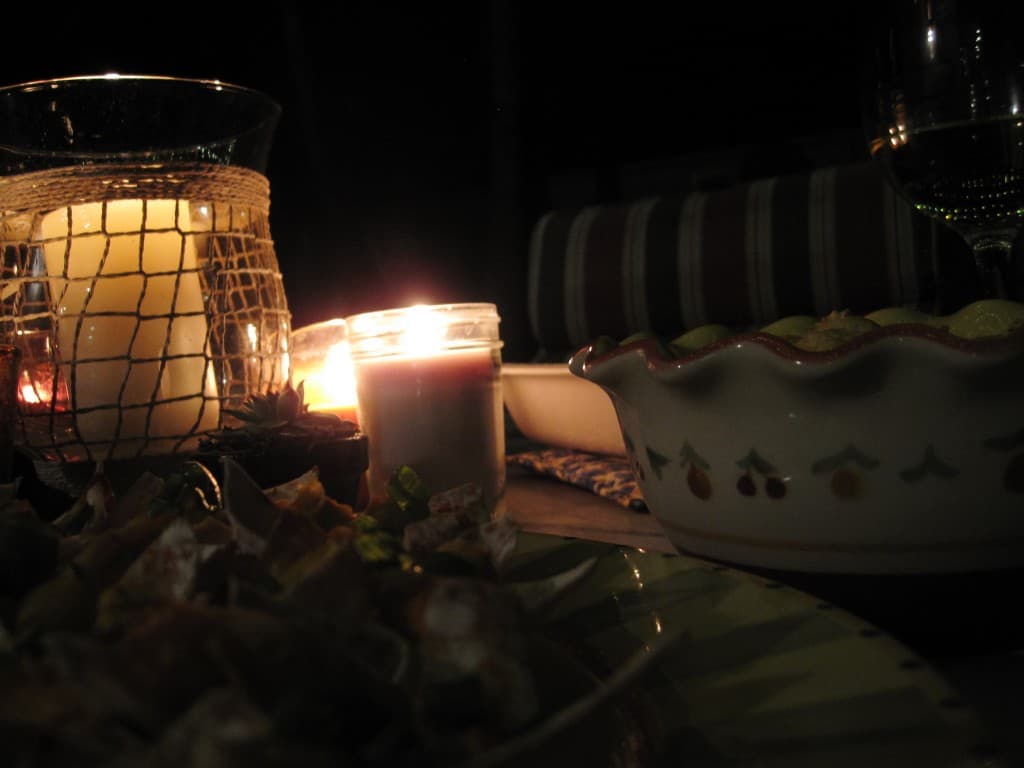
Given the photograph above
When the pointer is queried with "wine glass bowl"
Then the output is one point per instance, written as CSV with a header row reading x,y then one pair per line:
x,y
945,122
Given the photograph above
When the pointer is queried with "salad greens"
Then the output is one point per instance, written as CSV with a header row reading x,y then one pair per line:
x,y
187,623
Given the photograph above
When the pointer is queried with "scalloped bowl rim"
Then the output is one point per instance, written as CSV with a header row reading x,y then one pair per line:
x,y
914,338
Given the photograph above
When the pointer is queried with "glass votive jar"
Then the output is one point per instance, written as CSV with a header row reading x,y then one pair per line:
x,y
428,384
321,363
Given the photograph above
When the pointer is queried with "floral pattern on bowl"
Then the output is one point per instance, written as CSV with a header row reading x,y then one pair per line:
x,y
900,451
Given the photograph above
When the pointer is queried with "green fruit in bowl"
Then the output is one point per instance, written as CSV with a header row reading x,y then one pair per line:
x,y
982,319
899,316
664,349
792,329
603,345
699,337
989,317
834,330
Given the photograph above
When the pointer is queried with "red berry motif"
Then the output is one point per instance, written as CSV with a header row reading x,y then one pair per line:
x,y
774,487
756,465
746,486
846,471
699,482
847,483
697,476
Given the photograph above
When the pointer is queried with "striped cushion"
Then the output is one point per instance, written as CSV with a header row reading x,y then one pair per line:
x,y
837,238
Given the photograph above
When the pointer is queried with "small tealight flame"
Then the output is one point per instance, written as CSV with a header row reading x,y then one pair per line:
x,y
35,387
28,393
337,376
328,383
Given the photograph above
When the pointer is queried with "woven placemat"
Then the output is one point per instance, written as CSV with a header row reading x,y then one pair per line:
x,y
607,476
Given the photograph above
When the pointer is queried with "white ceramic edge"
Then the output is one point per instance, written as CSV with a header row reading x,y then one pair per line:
x,y
535,369
586,421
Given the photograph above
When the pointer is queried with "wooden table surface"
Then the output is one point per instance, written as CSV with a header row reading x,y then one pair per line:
x,y
544,505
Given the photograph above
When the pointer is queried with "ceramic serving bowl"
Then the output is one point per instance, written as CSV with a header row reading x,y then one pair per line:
x,y
551,406
900,451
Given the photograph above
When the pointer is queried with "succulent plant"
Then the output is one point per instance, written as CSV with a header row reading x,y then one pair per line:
x,y
277,439
278,416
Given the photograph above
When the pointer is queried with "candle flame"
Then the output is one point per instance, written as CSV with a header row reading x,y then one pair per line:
x,y
29,394
36,386
339,374
424,331
332,384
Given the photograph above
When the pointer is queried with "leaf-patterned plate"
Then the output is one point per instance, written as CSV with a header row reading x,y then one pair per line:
x,y
766,675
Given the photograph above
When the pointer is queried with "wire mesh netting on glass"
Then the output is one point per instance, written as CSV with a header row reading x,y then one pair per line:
x,y
141,285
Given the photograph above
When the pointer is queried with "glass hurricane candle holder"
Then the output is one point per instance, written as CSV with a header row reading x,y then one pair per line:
x,y
139,278
428,383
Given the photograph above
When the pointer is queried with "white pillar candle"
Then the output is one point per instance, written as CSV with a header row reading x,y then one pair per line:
x,y
130,314
428,384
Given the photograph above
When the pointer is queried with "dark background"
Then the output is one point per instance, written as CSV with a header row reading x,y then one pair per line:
x,y
420,142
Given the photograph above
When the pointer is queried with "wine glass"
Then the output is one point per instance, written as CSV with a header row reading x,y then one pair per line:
x,y
945,121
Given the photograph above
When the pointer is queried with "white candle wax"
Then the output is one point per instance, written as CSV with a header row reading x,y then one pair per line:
x,y
152,353
441,414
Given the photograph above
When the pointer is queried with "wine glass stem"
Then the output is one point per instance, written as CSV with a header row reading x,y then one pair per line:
x,y
993,257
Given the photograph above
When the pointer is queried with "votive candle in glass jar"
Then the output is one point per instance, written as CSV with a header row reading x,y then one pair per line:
x,y
321,363
428,385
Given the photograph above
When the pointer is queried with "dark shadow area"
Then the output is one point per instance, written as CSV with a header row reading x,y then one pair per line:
x,y
941,616
419,145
